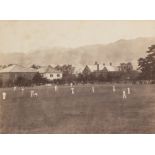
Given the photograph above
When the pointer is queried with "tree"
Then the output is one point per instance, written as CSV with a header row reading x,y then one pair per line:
x,y
38,79
35,66
10,65
147,64
67,71
21,81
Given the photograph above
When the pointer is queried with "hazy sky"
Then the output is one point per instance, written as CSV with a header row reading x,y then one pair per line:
x,y
25,36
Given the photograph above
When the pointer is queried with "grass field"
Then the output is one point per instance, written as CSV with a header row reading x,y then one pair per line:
x,y
84,112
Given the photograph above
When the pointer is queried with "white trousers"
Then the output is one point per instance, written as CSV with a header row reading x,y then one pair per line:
x,y
124,95
4,95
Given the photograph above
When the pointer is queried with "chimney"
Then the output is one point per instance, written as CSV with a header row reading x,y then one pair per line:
x,y
96,63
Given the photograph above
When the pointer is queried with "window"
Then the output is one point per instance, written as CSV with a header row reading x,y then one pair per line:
x,y
51,75
58,75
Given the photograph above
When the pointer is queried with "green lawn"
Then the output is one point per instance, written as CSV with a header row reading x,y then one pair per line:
x,y
83,112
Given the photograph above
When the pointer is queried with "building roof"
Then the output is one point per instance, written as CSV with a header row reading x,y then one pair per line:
x,y
111,68
78,69
92,67
48,69
102,67
17,69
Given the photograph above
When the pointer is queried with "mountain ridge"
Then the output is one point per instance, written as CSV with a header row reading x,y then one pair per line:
x,y
116,52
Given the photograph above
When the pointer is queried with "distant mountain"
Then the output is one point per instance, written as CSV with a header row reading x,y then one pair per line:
x,y
116,52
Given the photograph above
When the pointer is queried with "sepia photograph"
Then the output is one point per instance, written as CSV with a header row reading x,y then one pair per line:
x,y
77,76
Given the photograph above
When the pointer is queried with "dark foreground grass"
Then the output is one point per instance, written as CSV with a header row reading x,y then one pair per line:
x,y
83,112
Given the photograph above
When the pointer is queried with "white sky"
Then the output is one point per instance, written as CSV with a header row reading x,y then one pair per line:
x,y
25,36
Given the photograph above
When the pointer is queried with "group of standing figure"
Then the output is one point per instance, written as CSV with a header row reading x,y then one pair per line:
x,y
35,94
124,92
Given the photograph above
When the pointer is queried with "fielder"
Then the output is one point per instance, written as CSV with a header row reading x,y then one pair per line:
x,y
72,90
93,89
55,88
71,84
22,89
32,93
129,92
114,89
4,95
14,88
124,95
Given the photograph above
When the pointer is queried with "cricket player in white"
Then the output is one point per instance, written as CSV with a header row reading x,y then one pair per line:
x,y
71,84
114,89
124,95
4,95
14,88
55,88
72,89
22,89
32,93
129,92
93,89
36,94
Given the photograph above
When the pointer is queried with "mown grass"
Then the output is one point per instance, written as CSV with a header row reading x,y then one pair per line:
x,y
84,112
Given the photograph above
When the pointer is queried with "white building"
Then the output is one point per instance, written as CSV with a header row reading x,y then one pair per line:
x,y
50,73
